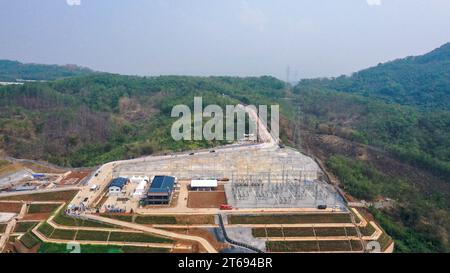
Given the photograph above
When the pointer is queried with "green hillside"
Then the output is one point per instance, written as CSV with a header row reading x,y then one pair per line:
x,y
12,71
420,81
89,120
384,132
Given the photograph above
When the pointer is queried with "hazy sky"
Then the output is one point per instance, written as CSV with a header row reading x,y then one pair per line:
x,y
226,37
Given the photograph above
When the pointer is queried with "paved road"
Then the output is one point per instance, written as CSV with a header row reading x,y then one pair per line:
x,y
4,238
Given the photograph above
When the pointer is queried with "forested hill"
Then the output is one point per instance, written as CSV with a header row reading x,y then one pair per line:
x,y
12,71
402,106
84,121
385,132
420,81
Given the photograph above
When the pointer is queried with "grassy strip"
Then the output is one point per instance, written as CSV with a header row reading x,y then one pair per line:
x,y
92,235
12,238
63,234
2,228
4,162
24,226
356,245
87,235
306,246
145,220
278,232
205,219
138,249
42,208
62,248
291,246
137,238
351,231
334,245
162,220
45,196
330,231
384,241
290,218
46,229
120,237
29,240
367,230
120,217
303,232
64,220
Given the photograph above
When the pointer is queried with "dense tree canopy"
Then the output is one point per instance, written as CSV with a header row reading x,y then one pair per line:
x,y
12,71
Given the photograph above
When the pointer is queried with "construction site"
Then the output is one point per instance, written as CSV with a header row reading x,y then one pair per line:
x,y
244,197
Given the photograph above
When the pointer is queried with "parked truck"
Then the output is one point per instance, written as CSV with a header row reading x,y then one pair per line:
x,y
226,207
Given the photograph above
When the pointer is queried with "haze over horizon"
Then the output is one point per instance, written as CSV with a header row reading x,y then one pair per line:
x,y
236,37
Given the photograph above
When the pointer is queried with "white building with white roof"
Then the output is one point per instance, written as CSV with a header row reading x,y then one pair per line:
x,y
203,184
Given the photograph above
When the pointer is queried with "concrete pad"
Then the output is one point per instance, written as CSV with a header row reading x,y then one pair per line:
x,y
244,235
6,217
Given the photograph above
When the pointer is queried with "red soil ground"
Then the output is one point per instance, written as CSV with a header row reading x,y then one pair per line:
x,y
206,199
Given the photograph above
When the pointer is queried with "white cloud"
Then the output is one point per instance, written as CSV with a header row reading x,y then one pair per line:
x,y
253,17
73,2
374,2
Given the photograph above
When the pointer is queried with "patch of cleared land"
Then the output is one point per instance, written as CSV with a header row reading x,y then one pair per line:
x,y
74,177
10,207
201,232
206,199
42,208
39,168
225,163
7,167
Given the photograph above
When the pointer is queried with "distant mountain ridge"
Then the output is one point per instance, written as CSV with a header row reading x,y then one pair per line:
x,y
418,81
13,71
